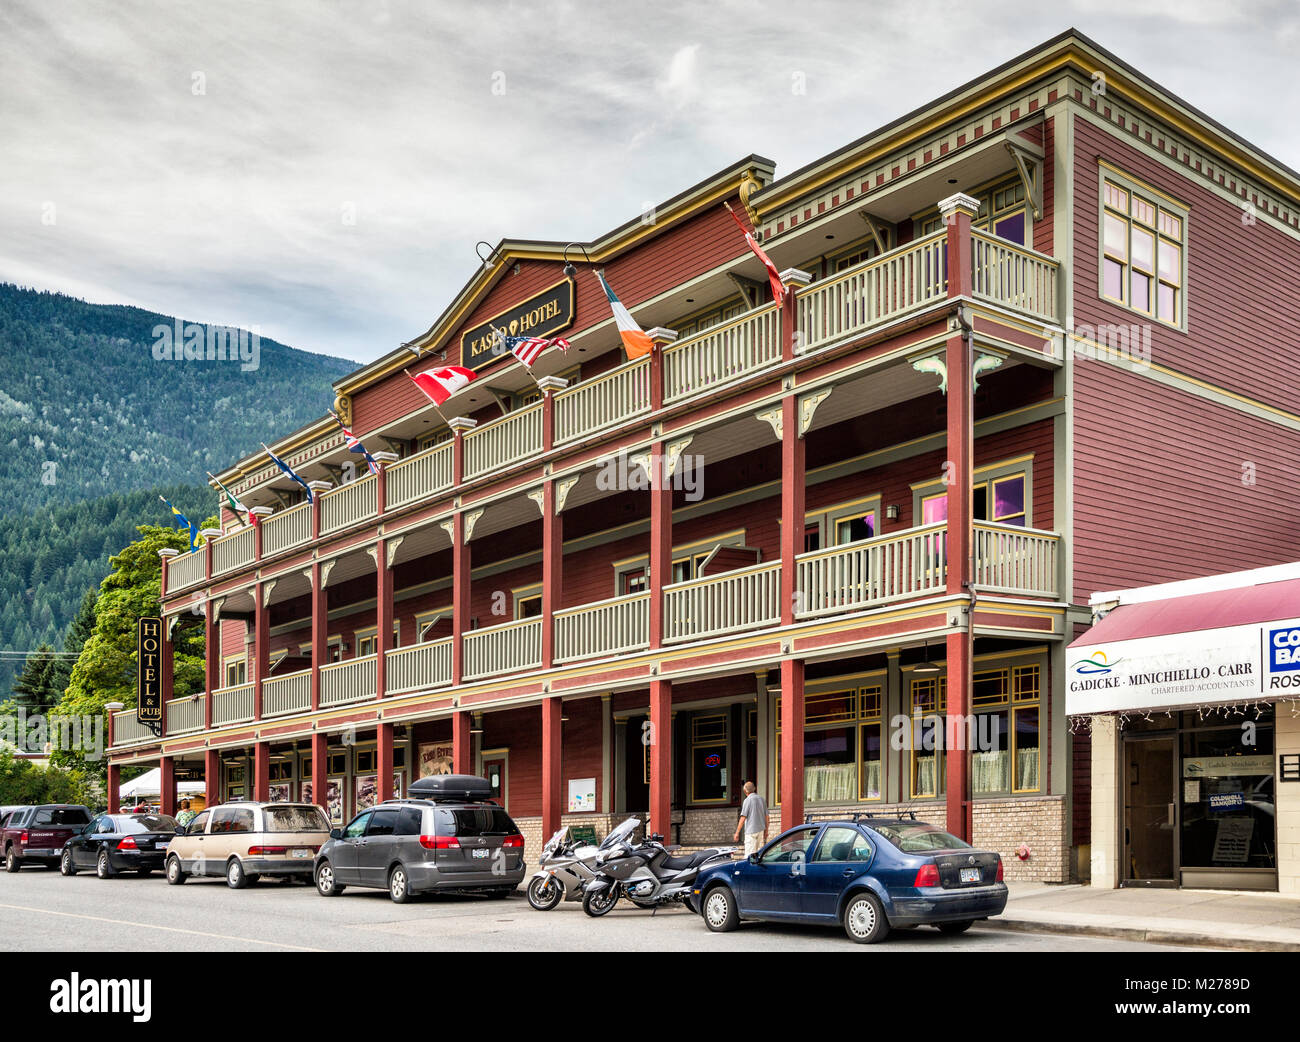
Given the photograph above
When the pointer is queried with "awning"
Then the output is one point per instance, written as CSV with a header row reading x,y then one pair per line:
x,y
1223,646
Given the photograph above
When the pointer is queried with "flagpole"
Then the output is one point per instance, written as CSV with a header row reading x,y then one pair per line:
x,y
527,368
430,400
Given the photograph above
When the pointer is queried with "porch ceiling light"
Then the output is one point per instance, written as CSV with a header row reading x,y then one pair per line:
x,y
927,667
569,269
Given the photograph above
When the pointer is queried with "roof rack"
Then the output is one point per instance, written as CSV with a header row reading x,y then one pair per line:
x,y
854,816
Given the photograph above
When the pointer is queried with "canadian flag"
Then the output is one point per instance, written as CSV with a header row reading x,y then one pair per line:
x,y
441,384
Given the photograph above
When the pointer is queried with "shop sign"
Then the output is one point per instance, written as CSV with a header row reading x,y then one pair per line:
x,y
1226,766
148,678
543,314
1220,801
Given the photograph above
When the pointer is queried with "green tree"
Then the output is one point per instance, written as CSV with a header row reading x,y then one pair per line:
x,y
105,670
37,687
79,631
22,782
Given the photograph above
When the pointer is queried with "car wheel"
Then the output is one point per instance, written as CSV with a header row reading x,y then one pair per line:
x,y
103,867
236,878
864,920
66,865
596,904
720,912
12,861
399,886
960,926
175,874
326,885
545,892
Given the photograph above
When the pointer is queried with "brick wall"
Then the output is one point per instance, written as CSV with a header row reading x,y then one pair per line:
x,y
1037,822
531,829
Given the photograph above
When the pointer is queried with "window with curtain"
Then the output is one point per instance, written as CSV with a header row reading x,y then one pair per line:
x,y
843,745
1143,247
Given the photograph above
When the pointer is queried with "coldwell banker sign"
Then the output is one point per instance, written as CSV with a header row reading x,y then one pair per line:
x,y
543,314
148,689
1233,664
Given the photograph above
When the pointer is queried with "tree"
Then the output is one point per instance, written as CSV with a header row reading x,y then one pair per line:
x,y
79,631
37,687
23,782
105,670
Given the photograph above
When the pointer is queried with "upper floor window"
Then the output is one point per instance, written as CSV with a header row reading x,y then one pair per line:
x,y
999,493
1002,212
1143,249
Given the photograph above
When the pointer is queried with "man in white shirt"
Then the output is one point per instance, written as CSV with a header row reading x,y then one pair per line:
x,y
753,820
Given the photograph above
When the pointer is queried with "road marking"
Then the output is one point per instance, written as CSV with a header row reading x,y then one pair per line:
x,y
166,929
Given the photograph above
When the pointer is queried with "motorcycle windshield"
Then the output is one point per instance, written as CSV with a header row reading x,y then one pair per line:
x,y
621,833
554,842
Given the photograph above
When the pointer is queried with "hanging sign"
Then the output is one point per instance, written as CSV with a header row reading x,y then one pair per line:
x,y
149,667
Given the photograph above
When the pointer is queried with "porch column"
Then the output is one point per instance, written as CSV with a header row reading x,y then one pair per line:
x,y
460,744
320,770
261,645
660,739
167,786
384,747
262,771
319,630
552,736
792,505
113,782
211,660
661,542
460,594
552,570
792,718
166,680
383,617
212,777
957,212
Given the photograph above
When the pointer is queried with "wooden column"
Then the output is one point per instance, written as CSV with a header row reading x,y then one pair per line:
x,y
793,479
211,660
167,786
792,722
552,737
261,645
384,748
660,737
319,630
383,616
212,776
320,770
552,571
460,593
461,750
957,212
262,771
166,664
113,782
661,542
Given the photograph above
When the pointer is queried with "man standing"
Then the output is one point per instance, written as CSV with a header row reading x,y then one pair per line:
x,y
753,819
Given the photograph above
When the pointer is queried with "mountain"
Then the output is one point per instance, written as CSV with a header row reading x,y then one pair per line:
x,y
94,426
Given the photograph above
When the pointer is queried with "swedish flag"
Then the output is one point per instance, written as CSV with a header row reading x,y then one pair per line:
x,y
181,521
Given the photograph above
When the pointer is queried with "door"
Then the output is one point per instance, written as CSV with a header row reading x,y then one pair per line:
x,y
375,852
82,845
346,854
771,884
1150,812
842,855
494,770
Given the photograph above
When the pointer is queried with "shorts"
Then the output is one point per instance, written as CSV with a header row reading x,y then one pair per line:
x,y
753,843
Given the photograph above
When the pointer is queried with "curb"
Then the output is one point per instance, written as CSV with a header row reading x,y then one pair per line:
x,y
1137,933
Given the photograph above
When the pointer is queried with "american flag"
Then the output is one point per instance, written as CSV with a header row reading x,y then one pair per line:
x,y
528,348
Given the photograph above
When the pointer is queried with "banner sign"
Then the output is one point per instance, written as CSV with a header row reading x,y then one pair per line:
x,y
1231,664
149,667
543,314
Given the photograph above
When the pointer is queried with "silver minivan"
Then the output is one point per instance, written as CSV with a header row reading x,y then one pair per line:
x,y
414,846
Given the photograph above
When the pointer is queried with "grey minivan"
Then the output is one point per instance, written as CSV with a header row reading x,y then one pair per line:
x,y
451,841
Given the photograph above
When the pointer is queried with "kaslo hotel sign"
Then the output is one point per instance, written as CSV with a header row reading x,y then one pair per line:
x,y
543,314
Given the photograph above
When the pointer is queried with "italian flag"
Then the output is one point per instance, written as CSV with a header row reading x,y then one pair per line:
x,y
634,338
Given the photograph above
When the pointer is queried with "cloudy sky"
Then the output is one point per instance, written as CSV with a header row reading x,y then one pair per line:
x,y
322,171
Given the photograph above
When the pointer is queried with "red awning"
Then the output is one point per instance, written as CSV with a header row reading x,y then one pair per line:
x,y
1244,606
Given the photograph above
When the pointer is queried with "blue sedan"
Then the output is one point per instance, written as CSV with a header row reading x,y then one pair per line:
x,y
868,874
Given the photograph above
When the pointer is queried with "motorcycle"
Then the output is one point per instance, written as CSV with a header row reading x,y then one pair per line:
x,y
648,875
564,867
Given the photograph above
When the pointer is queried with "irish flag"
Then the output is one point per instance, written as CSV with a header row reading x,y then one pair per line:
x,y
440,384
634,337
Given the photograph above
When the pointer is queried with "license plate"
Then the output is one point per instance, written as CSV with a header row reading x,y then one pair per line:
x,y
970,875
480,852
301,852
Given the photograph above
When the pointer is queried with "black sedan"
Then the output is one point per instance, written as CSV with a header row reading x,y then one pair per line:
x,y
114,843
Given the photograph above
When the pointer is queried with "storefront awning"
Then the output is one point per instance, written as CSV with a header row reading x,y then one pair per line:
x,y
1226,645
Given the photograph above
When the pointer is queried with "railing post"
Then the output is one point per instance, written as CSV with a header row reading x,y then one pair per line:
x,y
793,478
317,487
552,571
460,593
549,386
211,659
319,630
207,551
167,683
660,338
260,514
957,212
792,280
167,554
385,460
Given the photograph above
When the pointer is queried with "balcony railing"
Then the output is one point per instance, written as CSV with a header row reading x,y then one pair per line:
x,y
417,667
1010,275
744,599
506,648
874,292
872,571
350,681
185,714
722,354
610,627
606,400
290,693
287,529
233,705
503,442
233,551
349,504
419,477
184,570
1016,560
127,729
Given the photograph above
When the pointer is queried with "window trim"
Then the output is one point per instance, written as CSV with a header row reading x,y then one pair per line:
x,y
697,548
985,475
722,713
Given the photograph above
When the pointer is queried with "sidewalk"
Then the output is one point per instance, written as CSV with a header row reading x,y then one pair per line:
x,y
1217,918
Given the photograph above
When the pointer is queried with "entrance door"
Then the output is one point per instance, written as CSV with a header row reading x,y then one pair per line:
x,y
1150,812
494,770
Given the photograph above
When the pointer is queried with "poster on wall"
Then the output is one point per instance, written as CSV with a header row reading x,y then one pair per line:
x,y
398,781
367,792
306,792
334,800
278,793
582,795
436,758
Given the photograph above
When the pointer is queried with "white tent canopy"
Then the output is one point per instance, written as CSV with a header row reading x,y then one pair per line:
x,y
150,784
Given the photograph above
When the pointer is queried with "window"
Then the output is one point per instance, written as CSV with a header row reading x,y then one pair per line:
x,y
1005,747
295,819
236,671
840,843
433,625
1000,493
791,848
409,822
633,575
198,824
702,320
382,823
367,640
366,759
842,748
1002,212
234,819
1143,248
929,695
357,828
438,437
528,601
709,749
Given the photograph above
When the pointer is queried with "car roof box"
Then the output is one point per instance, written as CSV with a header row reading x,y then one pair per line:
x,y
450,787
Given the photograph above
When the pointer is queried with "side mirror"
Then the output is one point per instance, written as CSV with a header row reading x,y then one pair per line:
x,y
181,829
336,833
753,859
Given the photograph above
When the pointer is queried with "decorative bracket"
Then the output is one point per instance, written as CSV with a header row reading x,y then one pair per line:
x,y
217,603
267,587
749,289
673,452
879,231
325,569
538,496
986,361
642,460
471,519
808,408
449,526
392,547
772,416
933,363
562,489
1030,168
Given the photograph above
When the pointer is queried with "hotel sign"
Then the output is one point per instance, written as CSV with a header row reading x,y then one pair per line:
x,y
149,667
1231,664
543,314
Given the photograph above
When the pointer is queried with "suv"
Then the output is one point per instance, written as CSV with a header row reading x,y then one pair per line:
x,y
447,837
38,833
244,841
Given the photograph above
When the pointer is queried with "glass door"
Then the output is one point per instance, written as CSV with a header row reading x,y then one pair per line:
x,y
1150,812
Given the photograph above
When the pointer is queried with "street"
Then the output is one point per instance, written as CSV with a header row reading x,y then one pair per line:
x,y
42,911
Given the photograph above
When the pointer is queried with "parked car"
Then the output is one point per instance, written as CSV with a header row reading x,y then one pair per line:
x,y
448,836
244,841
868,874
38,833
114,843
